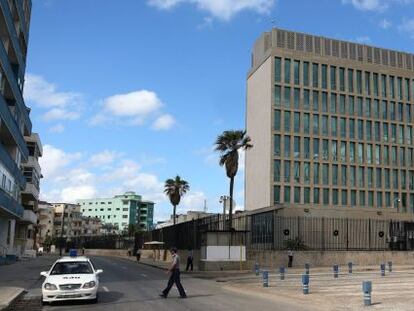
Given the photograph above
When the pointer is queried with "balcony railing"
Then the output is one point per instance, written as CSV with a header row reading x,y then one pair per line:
x,y
12,167
13,35
12,125
30,217
10,205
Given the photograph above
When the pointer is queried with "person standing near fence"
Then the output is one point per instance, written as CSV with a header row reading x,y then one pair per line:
x,y
190,259
174,271
290,257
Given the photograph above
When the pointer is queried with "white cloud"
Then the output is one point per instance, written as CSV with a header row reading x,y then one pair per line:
x,y
60,114
72,193
54,161
363,39
103,158
407,26
45,95
221,9
164,122
135,109
192,201
134,104
385,23
368,5
58,128
375,5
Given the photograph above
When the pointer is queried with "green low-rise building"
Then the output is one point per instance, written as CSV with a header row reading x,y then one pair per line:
x,y
120,211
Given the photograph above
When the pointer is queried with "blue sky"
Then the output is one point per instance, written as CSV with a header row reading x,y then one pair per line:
x,y
126,94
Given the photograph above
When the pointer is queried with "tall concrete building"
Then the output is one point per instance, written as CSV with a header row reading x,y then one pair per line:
x,y
15,122
26,228
332,127
120,211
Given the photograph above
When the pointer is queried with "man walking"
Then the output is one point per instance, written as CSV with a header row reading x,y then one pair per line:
x,y
290,257
175,276
190,258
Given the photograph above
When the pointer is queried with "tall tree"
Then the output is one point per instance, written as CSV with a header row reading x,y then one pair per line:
x,y
228,144
175,189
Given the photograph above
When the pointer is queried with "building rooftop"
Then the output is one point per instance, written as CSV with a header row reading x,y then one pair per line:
x,y
328,47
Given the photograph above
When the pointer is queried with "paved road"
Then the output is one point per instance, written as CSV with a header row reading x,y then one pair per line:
x,y
126,285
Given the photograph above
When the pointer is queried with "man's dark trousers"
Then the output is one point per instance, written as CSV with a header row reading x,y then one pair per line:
x,y
189,263
174,278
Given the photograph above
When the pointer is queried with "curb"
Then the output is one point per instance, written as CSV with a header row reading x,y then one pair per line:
x,y
7,304
152,265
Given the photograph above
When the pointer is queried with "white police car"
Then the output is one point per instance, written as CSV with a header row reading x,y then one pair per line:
x,y
71,278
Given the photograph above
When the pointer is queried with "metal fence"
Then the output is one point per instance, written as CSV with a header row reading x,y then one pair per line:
x,y
270,231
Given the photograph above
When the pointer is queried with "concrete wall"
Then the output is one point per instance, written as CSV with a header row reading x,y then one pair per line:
x,y
275,259
258,126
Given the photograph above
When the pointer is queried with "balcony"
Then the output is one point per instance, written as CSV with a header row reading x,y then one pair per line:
x,y
29,217
31,190
10,206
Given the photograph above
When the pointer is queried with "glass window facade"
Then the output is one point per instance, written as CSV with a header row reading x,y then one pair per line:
x,y
340,127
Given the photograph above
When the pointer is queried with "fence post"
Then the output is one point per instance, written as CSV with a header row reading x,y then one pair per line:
x,y
366,289
382,267
282,272
335,271
265,278
350,267
256,268
305,283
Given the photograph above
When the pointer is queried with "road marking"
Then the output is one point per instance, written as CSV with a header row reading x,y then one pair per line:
x,y
144,275
124,268
105,288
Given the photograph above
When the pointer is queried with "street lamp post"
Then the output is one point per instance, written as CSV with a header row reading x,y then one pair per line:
x,y
398,203
223,200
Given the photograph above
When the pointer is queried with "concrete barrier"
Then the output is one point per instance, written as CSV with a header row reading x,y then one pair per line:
x,y
275,259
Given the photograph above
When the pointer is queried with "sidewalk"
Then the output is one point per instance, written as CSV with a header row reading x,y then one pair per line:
x,y
8,295
21,276
389,292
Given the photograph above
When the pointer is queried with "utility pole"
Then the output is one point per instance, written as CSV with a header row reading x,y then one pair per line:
x,y
61,231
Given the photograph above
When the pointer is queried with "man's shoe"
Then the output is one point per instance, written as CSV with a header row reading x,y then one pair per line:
x,y
183,297
163,296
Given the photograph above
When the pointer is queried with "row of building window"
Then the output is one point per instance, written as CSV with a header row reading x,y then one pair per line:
x,y
342,175
343,79
324,125
90,203
333,103
340,197
341,151
107,209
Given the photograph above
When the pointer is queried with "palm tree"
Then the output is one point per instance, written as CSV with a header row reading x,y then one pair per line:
x,y
175,189
228,144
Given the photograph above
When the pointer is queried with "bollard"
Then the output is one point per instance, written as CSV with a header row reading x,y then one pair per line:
x,y
307,266
350,267
366,289
335,271
265,279
382,267
256,268
389,266
305,283
282,273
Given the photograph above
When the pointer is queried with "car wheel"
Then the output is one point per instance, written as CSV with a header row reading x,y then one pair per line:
x,y
44,303
95,300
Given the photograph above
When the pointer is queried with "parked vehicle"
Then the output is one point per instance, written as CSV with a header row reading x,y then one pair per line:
x,y
71,278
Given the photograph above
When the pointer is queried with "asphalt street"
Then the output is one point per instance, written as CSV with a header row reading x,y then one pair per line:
x,y
126,285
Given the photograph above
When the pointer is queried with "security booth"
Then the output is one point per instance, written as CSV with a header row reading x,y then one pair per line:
x,y
223,250
153,250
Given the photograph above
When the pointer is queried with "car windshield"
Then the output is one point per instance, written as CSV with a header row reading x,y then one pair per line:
x,y
72,267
